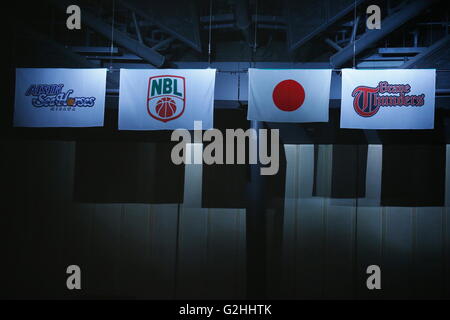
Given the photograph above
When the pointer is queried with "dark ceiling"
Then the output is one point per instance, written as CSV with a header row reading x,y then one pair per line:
x,y
161,32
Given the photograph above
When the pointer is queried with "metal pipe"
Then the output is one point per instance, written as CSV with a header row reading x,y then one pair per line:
x,y
122,39
146,53
242,18
255,221
372,36
416,38
355,28
220,26
163,43
425,53
271,26
136,27
333,44
218,18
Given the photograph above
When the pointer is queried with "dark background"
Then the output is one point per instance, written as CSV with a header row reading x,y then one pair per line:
x,y
142,228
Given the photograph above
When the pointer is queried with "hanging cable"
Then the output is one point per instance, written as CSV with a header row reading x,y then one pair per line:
x,y
355,228
112,34
354,38
256,25
238,74
209,35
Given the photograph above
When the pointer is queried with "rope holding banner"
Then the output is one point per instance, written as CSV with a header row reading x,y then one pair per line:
x,y
112,34
256,25
209,35
354,38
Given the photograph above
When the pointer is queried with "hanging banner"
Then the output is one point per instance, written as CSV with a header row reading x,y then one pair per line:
x,y
166,99
289,95
59,97
388,99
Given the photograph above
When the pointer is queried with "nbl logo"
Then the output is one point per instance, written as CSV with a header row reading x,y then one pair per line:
x,y
166,97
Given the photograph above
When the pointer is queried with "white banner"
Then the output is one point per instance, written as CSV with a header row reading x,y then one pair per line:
x,y
166,99
59,97
289,95
388,99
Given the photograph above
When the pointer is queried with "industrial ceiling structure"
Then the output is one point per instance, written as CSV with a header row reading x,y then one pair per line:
x,y
233,35
159,33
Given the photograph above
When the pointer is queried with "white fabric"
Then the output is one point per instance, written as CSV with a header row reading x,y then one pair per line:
x,y
402,116
42,97
316,86
137,105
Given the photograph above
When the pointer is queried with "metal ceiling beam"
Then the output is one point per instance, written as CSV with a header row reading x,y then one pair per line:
x,y
333,44
243,18
387,26
218,18
294,41
401,50
146,53
95,50
418,58
136,27
124,40
71,59
193,43
163,43
69,56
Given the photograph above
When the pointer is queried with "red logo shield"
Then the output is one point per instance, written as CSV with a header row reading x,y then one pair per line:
x,y
166,97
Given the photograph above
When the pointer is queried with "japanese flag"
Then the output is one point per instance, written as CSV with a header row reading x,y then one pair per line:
x,y
289,95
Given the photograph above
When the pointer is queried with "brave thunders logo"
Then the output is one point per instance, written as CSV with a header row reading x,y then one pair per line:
x,y
166,98
367,100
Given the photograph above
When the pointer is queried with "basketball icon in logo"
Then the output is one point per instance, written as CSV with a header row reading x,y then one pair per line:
x,y
166,97
70,102
166,107
288,95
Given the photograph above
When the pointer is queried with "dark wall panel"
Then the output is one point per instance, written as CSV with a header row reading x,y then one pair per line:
x,y
224,186
131,172
413,175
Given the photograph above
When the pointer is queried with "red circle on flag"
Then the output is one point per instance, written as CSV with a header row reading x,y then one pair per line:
x,y
288,95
